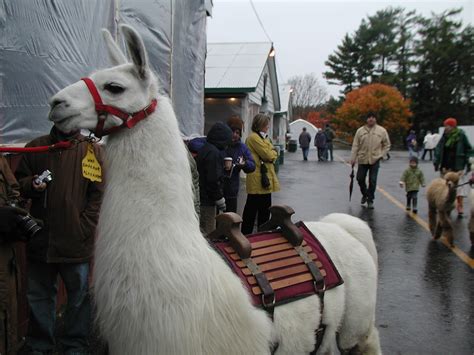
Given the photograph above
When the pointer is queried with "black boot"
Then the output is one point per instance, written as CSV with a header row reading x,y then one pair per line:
x,y
414,204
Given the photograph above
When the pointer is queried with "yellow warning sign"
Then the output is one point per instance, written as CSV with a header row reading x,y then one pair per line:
x,y
91,168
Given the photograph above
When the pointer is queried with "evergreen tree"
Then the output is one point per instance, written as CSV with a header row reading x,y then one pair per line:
x,y
436,93
342,65
405,52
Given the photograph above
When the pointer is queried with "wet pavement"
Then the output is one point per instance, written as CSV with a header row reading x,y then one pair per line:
x,y
425,290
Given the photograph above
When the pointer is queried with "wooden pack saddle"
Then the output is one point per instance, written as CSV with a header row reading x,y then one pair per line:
x,y
282,263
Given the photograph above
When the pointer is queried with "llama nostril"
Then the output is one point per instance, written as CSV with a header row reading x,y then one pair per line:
x,y
56,102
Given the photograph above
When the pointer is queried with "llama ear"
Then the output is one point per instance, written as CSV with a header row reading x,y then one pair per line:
x,y
115,54
136,50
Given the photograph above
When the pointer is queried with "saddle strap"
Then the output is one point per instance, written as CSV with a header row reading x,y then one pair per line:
x,y
268,294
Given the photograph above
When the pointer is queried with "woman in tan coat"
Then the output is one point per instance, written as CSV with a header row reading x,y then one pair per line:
x,y
259,191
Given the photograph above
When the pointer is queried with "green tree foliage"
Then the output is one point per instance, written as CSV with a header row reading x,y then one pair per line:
x,y
429,60
443,81
343,65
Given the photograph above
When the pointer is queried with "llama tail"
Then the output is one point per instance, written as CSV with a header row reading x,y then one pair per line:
x,y
355,227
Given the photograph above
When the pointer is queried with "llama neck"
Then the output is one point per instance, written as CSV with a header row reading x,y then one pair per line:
x,y
148,170
451,196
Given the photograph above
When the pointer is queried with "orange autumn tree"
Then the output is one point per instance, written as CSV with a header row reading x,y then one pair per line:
x,y
391,109
318,119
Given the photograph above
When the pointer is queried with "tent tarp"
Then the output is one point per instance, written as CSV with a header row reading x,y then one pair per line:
x,y
47,45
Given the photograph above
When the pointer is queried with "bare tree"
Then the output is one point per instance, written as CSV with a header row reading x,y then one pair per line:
x,y
308,93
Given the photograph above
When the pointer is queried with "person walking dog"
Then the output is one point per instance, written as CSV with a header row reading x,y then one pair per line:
x,y
452,154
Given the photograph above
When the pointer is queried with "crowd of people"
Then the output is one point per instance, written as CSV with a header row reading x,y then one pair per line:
x,y
220,158
323,141
448,152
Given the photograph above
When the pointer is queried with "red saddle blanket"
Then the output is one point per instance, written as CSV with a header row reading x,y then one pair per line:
x,y
286,271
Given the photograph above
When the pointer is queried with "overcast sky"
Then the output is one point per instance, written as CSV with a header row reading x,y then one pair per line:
x,y
305,33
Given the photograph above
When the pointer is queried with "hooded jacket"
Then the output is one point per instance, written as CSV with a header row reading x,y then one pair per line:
x,y
210,164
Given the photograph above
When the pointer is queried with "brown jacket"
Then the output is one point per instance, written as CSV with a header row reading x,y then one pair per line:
x,y
9,190
70,205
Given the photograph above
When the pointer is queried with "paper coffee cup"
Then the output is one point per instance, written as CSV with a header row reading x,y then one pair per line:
x,y
227,163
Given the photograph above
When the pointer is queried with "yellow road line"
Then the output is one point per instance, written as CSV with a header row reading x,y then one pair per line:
x,y
458,252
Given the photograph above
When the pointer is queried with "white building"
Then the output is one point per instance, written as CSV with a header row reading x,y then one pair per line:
x,y
240,80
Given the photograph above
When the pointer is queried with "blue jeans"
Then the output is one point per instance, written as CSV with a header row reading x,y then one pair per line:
x,y
305,153
362,171
329,154
412,152
322,154
41,294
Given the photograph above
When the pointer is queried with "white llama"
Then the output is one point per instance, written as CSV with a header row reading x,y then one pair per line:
x,y
159,287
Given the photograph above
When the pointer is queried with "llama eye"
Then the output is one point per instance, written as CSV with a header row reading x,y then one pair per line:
x,y
114,88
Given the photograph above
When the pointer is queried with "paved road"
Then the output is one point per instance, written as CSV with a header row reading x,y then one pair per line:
x,y
426,291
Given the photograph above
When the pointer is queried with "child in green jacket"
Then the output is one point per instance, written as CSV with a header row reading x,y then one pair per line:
x,y
412,178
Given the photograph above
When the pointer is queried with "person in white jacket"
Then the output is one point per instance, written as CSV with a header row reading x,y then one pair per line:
x,y
429,142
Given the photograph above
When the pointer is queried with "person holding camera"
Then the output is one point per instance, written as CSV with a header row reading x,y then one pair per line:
x,y
263,181
69,205
210,164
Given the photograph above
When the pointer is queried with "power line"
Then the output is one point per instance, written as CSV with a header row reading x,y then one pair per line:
x,y
260,21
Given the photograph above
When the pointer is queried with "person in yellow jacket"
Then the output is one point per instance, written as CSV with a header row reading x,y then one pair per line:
x,y
263,181
371,143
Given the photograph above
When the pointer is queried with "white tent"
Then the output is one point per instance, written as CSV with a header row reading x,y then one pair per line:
x,y
296,128
47,45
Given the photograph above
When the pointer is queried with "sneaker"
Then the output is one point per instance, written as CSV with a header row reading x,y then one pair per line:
x,y
363,200
370,205
415,211
408,208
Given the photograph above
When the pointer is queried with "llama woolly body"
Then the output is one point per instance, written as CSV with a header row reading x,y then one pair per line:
x,y
441,194
158,285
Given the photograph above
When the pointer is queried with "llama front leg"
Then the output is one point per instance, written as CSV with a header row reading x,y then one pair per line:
x,y
432,221
446,227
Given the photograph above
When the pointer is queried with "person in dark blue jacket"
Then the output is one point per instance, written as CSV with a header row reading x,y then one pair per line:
x,y
210,164
241,160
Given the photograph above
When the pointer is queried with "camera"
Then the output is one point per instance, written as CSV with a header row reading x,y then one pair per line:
x,y
27,226
45,177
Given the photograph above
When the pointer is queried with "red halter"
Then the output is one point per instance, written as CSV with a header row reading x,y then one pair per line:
x,y
129,119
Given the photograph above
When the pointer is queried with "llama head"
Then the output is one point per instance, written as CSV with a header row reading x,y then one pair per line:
x,y
452,178
128,87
